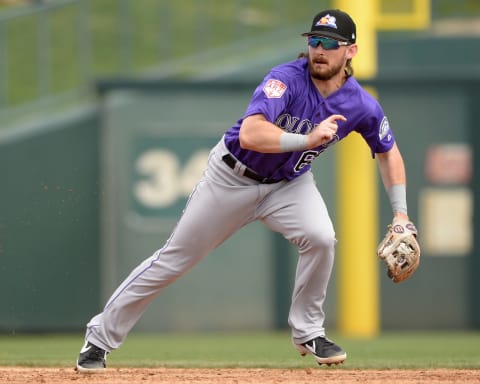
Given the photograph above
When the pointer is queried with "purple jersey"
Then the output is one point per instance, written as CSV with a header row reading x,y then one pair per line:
x,y
288,98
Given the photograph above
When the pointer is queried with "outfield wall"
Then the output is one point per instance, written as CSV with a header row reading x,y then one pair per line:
x,y
87,196
76,212
144,118
49,223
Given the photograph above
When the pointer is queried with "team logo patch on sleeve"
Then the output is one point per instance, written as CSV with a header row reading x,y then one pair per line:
x,y
274,89
384,129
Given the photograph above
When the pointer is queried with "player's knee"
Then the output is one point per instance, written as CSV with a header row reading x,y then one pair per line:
x,y
324,241
318,241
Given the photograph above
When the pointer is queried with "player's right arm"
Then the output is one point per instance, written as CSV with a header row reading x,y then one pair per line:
x,y
260,135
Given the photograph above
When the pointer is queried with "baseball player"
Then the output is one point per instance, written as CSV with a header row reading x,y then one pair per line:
x,y
261,170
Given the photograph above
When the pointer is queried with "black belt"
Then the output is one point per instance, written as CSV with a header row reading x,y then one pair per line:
x,y
232,162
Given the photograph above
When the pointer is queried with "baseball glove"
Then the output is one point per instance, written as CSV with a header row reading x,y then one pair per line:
x,y
400,250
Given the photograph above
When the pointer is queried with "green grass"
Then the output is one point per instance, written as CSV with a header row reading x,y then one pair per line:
x,y
401,350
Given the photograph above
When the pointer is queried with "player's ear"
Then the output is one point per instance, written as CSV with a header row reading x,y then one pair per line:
x,y
352,51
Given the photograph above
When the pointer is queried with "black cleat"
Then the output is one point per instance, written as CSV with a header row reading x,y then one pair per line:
x,y
91,358
324,350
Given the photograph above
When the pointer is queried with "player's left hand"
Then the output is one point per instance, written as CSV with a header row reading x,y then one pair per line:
x,y
400,250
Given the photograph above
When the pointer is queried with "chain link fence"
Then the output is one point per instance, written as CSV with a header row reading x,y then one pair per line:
x,y
51,51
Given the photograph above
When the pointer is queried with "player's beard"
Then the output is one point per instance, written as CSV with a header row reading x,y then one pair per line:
x,y
325,73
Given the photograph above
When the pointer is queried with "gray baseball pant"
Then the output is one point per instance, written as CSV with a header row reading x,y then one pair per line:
x,y
227,201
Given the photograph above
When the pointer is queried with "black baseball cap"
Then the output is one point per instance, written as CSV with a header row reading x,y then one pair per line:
x,y
333,23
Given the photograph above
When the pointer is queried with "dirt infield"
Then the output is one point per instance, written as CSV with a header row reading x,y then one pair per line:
x,y
17,375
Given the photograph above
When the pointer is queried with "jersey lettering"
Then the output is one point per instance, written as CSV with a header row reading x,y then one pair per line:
x,y
304,123
306,159
308,156
293,124
287,122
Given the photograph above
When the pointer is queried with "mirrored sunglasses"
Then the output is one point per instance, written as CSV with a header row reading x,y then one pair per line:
x,y
326,42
